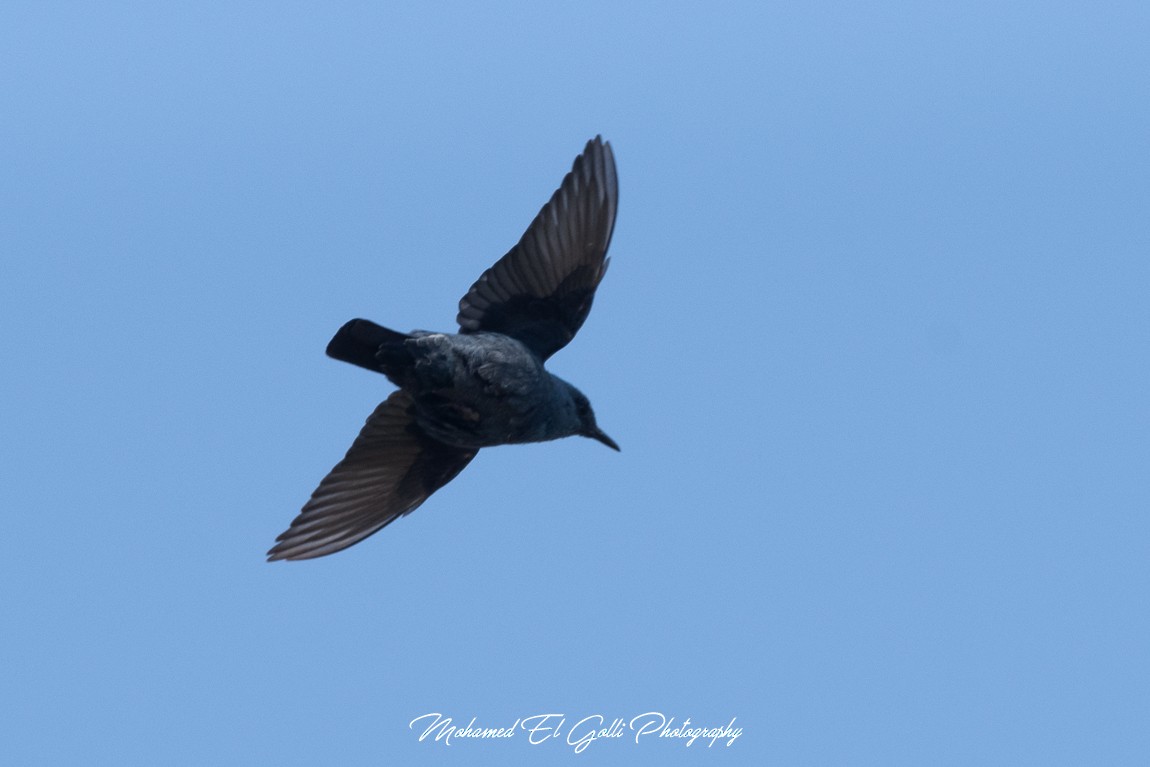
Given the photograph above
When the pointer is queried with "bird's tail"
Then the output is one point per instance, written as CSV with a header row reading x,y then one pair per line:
x,y
370,346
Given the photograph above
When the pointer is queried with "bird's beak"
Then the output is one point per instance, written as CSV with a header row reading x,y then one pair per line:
x,y
599,435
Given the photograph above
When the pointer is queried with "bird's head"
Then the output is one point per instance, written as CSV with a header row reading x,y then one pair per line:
x,y
586,416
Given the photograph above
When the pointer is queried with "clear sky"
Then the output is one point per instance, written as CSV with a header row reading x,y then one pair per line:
x,y
874,342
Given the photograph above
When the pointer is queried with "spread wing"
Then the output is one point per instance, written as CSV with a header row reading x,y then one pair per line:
x,y
541,291
391,468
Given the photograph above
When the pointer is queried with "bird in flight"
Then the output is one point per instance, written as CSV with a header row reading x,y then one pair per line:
x,y
480,387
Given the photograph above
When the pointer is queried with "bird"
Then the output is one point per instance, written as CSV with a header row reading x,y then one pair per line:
x,y
481,387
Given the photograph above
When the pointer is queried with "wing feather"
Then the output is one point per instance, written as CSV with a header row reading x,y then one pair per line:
x,y
391,468
541,291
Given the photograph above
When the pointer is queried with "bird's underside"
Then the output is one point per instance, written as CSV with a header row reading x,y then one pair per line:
x,y
485,386
478,390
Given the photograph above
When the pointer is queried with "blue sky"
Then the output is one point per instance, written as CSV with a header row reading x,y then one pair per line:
x,y
874,343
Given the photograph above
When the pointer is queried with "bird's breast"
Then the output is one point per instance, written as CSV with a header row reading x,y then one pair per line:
x,y
481,390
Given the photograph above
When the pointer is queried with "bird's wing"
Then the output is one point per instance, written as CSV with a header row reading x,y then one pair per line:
x,y
391,468
541,291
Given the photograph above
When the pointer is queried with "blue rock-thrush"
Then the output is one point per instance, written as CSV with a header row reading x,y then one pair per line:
x,y
482,387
